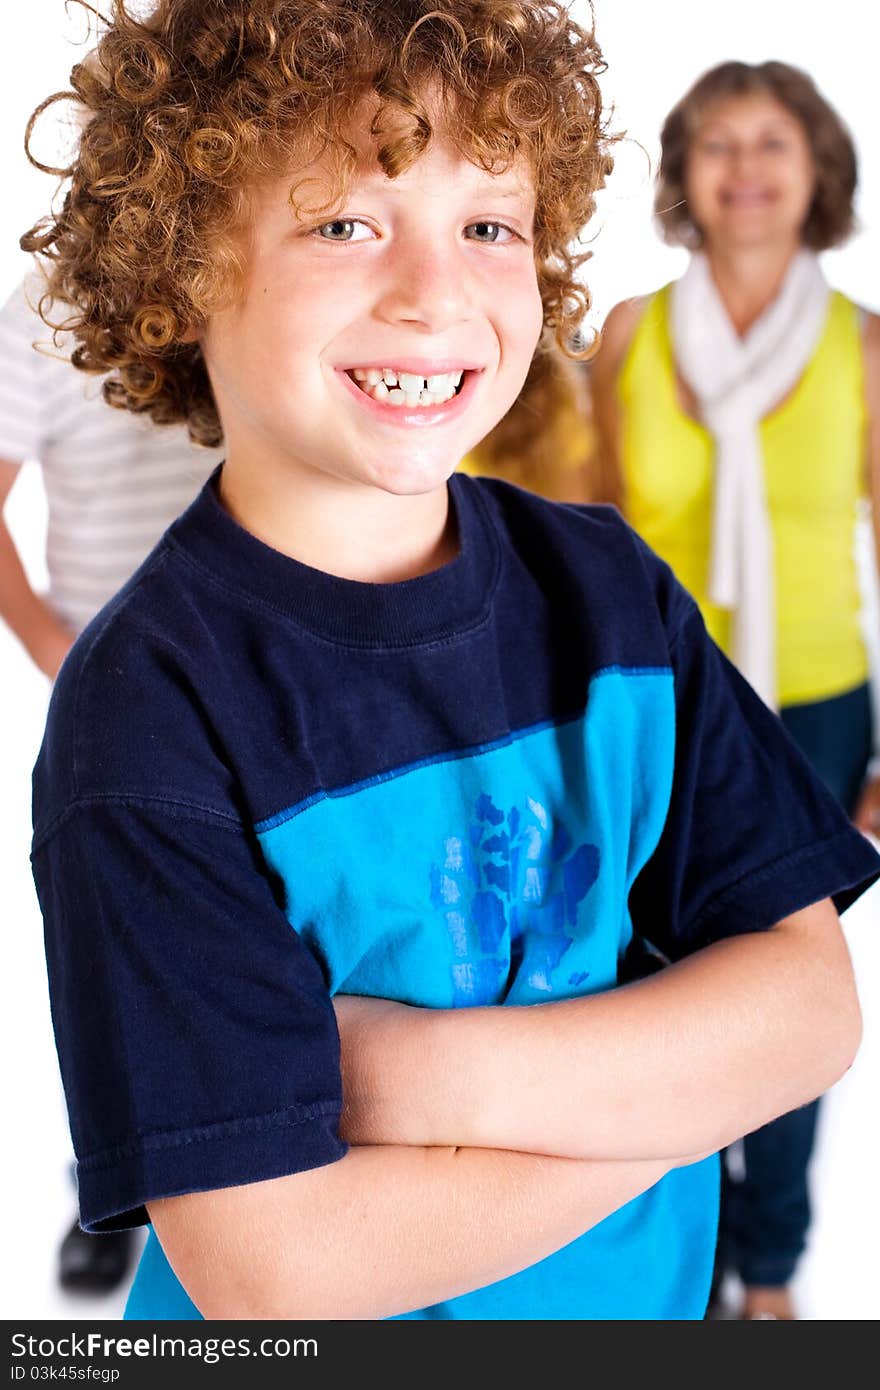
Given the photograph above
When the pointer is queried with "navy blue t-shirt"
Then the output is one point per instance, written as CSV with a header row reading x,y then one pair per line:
x,y
262,785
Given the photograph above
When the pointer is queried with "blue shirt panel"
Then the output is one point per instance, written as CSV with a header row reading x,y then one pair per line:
x,y
497,875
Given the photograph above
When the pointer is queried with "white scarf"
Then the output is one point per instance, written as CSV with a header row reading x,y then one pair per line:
x,y
737,381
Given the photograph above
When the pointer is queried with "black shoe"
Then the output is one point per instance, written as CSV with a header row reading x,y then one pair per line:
x,y
94,1264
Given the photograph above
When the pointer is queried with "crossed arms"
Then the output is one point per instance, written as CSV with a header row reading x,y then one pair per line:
x,y
484,1139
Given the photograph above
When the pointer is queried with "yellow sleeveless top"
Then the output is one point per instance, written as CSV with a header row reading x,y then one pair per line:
x,y
814,468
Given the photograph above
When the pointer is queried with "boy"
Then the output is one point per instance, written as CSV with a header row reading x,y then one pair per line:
x,y
355,730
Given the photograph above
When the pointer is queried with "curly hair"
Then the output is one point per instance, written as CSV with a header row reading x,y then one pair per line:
x,y
831,216
184,110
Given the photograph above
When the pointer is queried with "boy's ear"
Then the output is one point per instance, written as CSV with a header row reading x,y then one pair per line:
x,y
190,335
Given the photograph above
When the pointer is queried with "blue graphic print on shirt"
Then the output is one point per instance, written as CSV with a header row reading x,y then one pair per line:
x,y
515,882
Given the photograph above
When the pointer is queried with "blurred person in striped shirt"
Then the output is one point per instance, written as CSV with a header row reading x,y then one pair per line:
x,y
113,483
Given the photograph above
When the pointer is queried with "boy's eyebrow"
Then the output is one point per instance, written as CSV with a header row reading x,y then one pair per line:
x,y
509,192
503,190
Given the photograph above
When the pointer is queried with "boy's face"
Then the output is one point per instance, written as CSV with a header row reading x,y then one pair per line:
x,y
379,341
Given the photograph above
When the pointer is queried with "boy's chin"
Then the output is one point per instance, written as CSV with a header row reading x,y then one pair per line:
x,y
414,478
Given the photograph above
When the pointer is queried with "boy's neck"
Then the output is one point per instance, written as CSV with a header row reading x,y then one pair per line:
x,y
342,528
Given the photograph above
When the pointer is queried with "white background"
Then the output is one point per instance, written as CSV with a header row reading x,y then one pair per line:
x,y
654,50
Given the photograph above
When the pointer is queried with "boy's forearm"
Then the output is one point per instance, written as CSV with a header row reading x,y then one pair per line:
x,y
385,1230
683,1062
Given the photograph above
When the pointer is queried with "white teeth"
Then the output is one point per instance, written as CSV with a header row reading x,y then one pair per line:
x,y
406,388
409,382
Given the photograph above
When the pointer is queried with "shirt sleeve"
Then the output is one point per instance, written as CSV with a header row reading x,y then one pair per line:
x,y
23,420
751,835
197,1040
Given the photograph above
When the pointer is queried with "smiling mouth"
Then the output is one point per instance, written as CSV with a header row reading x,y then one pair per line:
x,y
747,197
389,386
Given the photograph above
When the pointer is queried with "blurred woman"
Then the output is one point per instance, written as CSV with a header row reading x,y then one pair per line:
x,y
738,416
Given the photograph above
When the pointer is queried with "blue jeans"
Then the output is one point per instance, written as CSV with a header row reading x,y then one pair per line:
x,y
765,1215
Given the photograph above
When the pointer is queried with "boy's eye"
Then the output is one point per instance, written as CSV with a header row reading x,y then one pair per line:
x,y
343,229
489,233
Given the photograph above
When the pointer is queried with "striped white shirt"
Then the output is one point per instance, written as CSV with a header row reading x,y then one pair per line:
x,y
114,481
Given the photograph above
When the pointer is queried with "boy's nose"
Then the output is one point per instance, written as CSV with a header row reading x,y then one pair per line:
x,y
426,286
